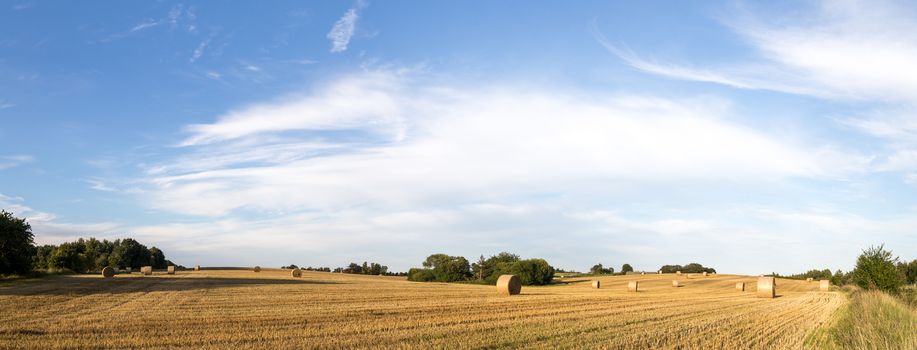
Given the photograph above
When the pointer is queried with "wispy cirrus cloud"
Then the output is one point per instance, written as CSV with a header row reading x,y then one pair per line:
x,y
344,28
12,161
838,50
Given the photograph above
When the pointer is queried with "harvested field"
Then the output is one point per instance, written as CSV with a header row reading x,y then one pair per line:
x,y
221,309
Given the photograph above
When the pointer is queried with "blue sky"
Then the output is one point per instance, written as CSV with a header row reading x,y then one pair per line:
x,y
749,137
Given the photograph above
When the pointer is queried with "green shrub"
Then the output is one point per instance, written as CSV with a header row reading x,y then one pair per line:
x,y
875,269
421,275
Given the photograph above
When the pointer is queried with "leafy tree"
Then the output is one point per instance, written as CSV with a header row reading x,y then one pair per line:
x,y
421,275
875,269
626,268
130,253
42,256
481,269
599,269
16,244
69,256
157,258
435,260
909,271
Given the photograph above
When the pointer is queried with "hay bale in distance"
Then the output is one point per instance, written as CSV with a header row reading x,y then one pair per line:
x,y
128,270
170,270
809,279
632,286
824,285
197,268
146,270
676,284
296,273
678,273
740,286
767,287
108,272
642,272
509,285
705,274
596,284
257,269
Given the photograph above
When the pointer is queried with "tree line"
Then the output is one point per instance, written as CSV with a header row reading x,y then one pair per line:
x,y
19,255
447,268
599,269
876,268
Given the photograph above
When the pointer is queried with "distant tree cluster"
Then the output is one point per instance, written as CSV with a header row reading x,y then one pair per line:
x,y
599,269
85,255
689,268
446,268
366,269
18,255
310,268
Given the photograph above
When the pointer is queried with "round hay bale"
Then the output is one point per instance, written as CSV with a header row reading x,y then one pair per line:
x,y
824,285
108,272
676,284
596,284
632,286
197,268
146,270
740,286
705,274
170,270
809,279
678,273
509,285
767,287
296,273
257,269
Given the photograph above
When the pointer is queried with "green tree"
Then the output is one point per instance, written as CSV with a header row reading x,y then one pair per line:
x,y
597,269
481,269
875,269
16,244
43,256
909,271
69,256
130,253
421,275
157,258
626,268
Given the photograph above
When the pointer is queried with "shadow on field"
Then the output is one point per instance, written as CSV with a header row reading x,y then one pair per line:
x,y
75,285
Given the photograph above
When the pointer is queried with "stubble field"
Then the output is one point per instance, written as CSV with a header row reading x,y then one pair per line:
x,y
222,309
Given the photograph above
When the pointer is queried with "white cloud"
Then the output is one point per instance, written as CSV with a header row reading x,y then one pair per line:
x,y
414,143
12,161
199,51
344,28
846,50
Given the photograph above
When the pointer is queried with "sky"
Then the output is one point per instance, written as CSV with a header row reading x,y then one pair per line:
x,y
749,137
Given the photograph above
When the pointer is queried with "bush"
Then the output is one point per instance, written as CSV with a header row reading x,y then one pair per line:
x,y
16,245
875,269
530,271
421,275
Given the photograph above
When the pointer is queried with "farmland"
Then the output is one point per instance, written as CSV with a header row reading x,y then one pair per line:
x,y
243,309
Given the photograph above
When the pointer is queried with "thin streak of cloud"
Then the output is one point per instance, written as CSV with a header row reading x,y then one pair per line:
x,y
344,28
